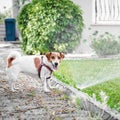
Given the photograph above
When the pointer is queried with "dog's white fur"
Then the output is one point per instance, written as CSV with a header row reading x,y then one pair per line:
x,y
17,63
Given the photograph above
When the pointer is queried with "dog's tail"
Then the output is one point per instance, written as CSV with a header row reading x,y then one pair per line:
x,y
11,57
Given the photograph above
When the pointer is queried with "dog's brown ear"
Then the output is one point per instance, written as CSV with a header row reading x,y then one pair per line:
x,y
62,55
48,55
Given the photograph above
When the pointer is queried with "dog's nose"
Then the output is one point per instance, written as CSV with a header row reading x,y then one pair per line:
x,y
56,64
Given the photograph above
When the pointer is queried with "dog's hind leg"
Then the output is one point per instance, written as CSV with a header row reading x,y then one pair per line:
x,y
12,75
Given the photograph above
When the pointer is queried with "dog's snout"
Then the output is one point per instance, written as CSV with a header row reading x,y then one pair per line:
x,y
56,64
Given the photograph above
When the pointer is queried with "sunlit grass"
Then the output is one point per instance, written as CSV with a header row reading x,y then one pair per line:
x,y
99,74
112,90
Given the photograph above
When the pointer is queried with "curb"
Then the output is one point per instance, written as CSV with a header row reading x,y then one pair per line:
x,y
88,103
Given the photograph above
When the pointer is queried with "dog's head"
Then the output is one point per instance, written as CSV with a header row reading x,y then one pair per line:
x,y
55,58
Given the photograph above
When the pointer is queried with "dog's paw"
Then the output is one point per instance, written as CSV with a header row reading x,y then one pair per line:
x,y
12,90
46,90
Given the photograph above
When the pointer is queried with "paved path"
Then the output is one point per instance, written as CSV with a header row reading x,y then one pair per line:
x,y
30,102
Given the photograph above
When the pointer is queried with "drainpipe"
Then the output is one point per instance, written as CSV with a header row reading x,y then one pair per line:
x,y
15,10
16,6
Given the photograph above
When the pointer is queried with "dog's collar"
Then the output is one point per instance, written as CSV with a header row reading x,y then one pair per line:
x,y
40,67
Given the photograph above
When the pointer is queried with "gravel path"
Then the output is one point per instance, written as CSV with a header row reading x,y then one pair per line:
x,y
30,102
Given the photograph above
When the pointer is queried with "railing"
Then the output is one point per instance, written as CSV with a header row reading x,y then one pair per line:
x,y
106,12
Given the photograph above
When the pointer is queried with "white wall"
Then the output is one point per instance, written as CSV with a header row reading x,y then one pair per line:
x,y
89,29
7,4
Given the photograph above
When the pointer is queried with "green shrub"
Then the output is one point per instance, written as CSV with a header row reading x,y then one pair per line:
x,y
50,25
2,17
106,44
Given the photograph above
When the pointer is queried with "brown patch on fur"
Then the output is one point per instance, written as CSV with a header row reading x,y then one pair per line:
x,y
48,55
37,62
10,61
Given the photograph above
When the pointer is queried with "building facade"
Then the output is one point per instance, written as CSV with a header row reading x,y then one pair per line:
x,y
99,16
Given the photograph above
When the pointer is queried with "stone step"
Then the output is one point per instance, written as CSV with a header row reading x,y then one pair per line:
x,y
2,27
2,32
2,36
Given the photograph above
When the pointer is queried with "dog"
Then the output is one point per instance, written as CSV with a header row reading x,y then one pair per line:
x,y
43,65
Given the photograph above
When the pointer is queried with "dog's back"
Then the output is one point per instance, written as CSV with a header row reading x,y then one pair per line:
x,y
22,63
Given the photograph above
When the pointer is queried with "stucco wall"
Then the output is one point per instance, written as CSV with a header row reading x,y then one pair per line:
x,y
89,28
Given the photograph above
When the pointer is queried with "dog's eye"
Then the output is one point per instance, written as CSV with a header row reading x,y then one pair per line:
x,y
53,57
59,57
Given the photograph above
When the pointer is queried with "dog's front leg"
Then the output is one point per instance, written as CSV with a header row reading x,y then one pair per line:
x,y
45,84
51,83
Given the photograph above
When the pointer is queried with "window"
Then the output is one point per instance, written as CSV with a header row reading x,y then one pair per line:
x,y
106,12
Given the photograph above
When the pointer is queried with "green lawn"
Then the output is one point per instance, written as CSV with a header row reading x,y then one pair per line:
x,y
92,76
112,90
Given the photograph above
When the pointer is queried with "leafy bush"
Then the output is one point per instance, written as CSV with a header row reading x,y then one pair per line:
x,y
106,44
2,17
50,25
6,14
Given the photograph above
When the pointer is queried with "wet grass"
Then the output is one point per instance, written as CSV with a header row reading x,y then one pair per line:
x,y
112,90
93,76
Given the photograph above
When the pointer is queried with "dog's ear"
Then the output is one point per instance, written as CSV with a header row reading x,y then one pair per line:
x,y
62,55
48,55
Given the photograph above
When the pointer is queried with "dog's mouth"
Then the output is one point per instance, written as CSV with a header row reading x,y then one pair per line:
x,y
55,66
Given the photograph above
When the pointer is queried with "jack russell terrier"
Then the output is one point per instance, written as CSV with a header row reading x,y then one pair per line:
x,y
42,65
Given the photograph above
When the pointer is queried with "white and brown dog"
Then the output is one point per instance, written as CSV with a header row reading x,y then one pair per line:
x,y
42,65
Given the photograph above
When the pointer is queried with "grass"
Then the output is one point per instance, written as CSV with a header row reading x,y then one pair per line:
x,y
112,90
95,75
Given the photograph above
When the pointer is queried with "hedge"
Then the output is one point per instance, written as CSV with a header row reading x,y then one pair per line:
x,y
50,25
